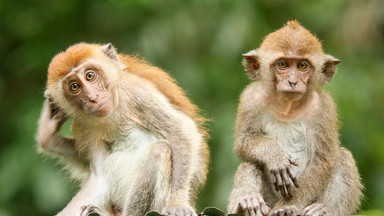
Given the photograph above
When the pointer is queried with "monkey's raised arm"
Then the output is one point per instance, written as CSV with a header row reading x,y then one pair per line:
x,y
49,138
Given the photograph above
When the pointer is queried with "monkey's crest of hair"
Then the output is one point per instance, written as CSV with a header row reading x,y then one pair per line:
x,y
65,61
292,39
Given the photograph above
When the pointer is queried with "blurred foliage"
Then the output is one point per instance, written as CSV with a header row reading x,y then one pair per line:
x,y
200,44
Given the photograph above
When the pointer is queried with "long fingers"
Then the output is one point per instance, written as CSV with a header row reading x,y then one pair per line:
x,y
280,184
292,177
264,209
274,181
287,182
316,209
253,205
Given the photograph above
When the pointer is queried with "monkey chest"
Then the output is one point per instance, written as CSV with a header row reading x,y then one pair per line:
x,y
294,137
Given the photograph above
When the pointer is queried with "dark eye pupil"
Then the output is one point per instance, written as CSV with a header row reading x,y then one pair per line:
x,y
90,75
75,86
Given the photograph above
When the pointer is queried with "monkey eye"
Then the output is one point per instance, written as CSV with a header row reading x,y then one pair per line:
x,y
90,75
302,65
282,64
74,87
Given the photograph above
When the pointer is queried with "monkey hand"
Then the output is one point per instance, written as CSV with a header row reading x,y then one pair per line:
x,y
51,120
286,211
177,210
90,209
253,204
316,209
282,176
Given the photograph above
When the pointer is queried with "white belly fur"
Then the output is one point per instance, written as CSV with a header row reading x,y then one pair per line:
x,y
294,138
123,164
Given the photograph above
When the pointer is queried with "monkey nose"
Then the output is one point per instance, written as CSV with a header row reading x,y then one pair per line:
x,y
292,84
92,99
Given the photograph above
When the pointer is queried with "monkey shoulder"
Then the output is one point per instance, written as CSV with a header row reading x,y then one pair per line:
x,y
253,96
327,103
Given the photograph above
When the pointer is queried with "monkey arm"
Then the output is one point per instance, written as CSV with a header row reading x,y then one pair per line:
x,y
250,143
49,137
183,159
60,146
181,132
253,146
256,147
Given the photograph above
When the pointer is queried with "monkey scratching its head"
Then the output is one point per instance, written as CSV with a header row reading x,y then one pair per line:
x,y
138,142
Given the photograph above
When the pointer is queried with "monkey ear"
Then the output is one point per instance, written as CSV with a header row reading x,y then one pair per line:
x,y
110,51
329,68
252,64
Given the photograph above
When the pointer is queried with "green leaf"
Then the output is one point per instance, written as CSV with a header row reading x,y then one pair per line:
x,y
212,211
152,213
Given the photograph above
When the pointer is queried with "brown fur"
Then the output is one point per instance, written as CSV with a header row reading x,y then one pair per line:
x,y
141,106
294,38
64,62
275,127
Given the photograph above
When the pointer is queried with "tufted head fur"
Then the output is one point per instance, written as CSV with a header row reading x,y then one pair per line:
x,y
292,39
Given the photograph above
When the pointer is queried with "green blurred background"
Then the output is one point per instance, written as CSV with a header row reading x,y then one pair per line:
x,y
200,43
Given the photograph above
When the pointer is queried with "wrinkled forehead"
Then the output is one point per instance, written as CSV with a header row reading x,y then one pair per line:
x,y
89,64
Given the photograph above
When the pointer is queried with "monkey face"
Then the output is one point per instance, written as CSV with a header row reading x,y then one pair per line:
x,y
292,74
87,88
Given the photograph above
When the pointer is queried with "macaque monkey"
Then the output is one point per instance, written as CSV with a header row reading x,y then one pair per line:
x,y
287,136
138,143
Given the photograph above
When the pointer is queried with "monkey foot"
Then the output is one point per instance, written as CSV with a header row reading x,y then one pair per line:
x,y
316,209
253,204
179,211
90,209
286,211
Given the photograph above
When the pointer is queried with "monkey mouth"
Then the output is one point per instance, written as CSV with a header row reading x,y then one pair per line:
x,y
99,107
102,110
289,89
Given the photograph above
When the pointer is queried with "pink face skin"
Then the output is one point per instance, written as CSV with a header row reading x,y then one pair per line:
x,y
292,74
87,87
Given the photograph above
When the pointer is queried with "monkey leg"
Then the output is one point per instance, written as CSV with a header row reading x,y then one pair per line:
x,y
151,187
343,193
89,195
248,191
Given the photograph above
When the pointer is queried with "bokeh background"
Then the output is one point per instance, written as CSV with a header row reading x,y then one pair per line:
x,y
200,43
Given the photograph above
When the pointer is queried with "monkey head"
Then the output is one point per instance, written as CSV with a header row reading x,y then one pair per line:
x,y
83,79
290,60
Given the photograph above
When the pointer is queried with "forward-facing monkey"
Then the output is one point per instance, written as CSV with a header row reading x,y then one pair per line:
x,y
287,133
138,143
